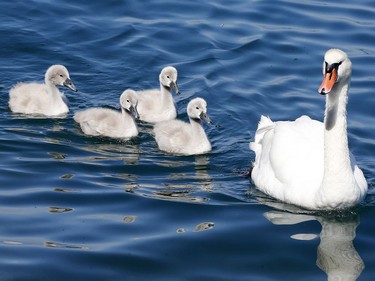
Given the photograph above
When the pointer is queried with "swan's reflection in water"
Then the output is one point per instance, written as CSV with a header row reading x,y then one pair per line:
x,y
128,152
336,254
186,180
187,186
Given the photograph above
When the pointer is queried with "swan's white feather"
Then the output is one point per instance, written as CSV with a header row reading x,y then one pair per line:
x,y
289,157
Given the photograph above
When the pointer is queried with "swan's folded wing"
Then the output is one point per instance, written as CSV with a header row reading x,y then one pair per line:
x,y
358,175
297,151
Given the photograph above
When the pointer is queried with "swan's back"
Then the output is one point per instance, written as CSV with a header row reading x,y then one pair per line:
x,y
289,157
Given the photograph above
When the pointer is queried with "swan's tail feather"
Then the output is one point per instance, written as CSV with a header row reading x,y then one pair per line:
x,y
265,124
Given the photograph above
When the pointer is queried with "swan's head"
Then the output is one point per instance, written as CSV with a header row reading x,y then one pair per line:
x,y
337,67
129,102
168,78
197,110
58,75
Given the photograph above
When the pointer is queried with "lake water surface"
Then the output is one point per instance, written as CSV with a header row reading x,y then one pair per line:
x,y
74,207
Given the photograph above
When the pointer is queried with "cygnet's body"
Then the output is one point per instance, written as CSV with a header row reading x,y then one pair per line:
x,y
111,123
178,137
158,105
42,99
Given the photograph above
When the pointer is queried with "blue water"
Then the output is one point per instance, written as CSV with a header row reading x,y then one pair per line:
x,y
81,208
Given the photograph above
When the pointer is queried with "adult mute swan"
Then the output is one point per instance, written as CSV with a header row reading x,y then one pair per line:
x,y
111,123
42,99
176,136
158,105
307,162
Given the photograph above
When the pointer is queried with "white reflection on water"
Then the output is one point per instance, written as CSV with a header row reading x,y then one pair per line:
x,y
182,185
129,153
336,254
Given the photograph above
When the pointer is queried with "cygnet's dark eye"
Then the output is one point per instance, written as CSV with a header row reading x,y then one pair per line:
x,y
61,75
197,107
127,101
168,76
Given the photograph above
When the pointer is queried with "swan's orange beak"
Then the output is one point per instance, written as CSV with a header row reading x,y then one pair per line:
x,y
328,82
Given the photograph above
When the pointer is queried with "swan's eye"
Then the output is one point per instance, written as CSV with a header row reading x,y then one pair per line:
x,y
197,107
168,76
333,66
127,101
61,75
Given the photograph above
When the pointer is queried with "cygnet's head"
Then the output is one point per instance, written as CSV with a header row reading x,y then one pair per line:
x,y
337,67
168,78
129,102
58,75
197,110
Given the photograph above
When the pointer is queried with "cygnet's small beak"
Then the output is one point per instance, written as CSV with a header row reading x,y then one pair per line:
x,y
174,87
205,117
134,112
69,84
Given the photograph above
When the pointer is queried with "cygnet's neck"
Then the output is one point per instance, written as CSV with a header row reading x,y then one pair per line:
x,y
55,97
198,130
337,167
165,95
128,120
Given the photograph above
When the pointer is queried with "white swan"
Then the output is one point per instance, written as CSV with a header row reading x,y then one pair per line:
x,y
176,136
306,162
42,99
111,123
158,105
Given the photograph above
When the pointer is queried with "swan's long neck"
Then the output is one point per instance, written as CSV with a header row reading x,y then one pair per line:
x,y
338,175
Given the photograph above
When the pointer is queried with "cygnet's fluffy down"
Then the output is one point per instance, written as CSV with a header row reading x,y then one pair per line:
x,y
178,137
158,105
42,99
111,123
